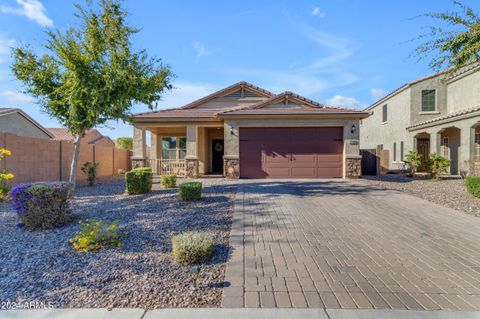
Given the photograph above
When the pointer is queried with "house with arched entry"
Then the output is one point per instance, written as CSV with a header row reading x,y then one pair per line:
x,y
434,114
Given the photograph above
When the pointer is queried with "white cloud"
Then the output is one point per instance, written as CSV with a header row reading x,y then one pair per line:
x,y
32,9
377,93
200,49
343,101
184,93
316,11
16,97
6,44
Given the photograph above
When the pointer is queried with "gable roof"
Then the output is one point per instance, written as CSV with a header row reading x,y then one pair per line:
x,y
229,89
62,133
9,110
304,106
101,138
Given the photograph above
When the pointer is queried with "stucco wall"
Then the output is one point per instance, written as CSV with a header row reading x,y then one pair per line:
x,y
15,123
464,93
373,132
416,114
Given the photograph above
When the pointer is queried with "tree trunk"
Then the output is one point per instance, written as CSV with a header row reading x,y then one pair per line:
x,y
73,167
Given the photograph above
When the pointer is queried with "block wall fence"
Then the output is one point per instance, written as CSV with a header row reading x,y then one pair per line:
x,y
35,159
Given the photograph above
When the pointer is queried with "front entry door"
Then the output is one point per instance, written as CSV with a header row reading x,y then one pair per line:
x,y
217,156
423,147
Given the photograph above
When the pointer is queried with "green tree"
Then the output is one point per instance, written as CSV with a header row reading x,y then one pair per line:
x,y
89,73
455,44
125,143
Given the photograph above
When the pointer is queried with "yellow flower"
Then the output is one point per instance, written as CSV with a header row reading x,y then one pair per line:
x,y
75,246
9,176
5,151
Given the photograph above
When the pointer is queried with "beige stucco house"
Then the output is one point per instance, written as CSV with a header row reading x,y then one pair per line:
x,y
16,121
431,115
246,131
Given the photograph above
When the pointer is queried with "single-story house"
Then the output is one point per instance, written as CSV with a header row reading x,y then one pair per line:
x,y
16,121
92,137
246,131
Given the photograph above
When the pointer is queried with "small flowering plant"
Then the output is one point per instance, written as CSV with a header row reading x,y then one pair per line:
x,y
95,234
5,175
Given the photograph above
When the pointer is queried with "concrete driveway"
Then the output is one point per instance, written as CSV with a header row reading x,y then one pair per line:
x,y
343,244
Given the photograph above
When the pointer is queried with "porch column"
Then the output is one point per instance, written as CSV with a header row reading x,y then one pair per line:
x,y
435,141
154,149
351,148
139,158
191,159
231,158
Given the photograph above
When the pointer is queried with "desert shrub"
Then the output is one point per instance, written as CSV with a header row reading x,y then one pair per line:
x,y
190,191
42,205
168,181
90,169
192,247
473,185
413,159
437,165
139,180
95,234
5,176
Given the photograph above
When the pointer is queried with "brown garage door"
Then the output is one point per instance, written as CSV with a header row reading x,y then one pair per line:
x,y
291,152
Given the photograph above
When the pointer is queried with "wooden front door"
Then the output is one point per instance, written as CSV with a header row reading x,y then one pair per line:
x,y
423,147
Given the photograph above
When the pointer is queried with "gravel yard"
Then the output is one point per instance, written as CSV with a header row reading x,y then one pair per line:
x,y
450,193
42,266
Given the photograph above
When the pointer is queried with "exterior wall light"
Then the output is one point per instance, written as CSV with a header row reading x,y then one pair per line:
x,y
353,129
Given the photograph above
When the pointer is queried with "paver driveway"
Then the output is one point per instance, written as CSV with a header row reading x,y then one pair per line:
x,y
342,244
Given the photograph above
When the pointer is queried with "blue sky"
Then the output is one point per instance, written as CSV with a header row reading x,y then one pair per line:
x,y
338,52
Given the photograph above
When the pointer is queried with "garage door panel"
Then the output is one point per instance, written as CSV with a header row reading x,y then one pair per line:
x,y
304,171
291,152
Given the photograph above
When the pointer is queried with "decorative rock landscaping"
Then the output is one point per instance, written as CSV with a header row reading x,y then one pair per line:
x,y
449,193
42,266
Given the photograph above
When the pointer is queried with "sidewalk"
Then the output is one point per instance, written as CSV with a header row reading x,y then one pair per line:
x,y
244,313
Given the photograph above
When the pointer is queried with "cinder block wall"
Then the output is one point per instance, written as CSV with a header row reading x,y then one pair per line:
x,y
35,159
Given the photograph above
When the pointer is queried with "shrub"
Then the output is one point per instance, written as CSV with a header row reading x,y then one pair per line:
x,y
90,169
94,235
437,164
413,159
192,247
168,181
139,180
42,205
190,191
5,176
473,185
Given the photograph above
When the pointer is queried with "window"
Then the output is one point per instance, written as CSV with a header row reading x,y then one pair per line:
x,y
394,151
401,150
174,147
429,100
477,146
445,147
384,113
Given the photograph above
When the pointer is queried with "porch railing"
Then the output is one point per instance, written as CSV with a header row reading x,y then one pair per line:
x,y
167,166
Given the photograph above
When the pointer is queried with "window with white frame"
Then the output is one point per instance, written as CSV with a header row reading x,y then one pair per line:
x,y
174,147
445,147
429,103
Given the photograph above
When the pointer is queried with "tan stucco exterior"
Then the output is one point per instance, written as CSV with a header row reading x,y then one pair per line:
x,y
455,119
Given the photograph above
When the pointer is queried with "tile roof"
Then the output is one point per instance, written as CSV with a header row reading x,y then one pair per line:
x,y
311,107
62,133
179,113
100,138
447,116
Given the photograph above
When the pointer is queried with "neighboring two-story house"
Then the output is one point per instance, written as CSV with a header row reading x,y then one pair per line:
x,y
429,115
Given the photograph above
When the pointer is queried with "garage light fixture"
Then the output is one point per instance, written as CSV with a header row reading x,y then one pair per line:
x,y
353,129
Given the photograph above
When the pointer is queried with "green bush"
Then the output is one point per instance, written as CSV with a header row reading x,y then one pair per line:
x,y
168,181
473,185
42,205
192,247
190,191
96,234
90,169
139,180
437,165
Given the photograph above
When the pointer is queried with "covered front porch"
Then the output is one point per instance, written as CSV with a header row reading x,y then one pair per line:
x,y
183,150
